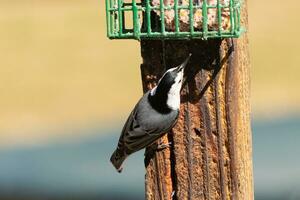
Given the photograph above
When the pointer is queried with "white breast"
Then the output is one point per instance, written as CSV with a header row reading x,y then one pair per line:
x,y
173,101
174,94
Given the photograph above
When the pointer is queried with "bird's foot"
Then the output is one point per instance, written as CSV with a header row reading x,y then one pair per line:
x,y
163,146
157,147
150,151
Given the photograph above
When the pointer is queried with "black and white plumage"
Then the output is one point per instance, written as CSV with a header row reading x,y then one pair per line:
x,y
154,115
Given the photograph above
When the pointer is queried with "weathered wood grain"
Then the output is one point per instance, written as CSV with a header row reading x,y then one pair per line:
x,y
210,156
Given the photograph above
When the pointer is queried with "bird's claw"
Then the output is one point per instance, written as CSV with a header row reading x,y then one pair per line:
x,y
150,151
163,146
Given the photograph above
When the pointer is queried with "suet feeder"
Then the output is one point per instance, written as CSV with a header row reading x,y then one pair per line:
x,y
173,19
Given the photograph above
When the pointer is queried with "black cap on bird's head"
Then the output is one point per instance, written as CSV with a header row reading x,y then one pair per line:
x,y
174,75
168,87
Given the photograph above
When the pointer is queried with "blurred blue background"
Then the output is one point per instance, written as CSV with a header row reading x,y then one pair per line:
x,y
64,99
80,169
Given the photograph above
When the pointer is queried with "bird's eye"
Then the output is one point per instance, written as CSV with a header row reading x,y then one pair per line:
x,y
179,81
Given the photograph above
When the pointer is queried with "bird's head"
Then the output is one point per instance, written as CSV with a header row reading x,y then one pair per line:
x,y
168,88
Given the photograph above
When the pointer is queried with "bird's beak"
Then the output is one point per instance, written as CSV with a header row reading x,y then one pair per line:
x,y
182,66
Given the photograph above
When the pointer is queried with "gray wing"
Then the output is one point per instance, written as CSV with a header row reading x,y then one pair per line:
x,y
136,136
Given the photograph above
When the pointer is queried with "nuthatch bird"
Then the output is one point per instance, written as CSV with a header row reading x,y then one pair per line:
x,y
153,116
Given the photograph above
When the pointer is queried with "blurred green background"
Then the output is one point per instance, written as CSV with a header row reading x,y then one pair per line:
x,y
66,90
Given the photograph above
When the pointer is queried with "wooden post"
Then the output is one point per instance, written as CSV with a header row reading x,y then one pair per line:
x,y
211,154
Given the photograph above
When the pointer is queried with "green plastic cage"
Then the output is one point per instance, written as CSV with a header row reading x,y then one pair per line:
x,y
173,19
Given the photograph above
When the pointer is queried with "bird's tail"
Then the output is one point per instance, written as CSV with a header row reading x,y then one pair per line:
x,y
117,158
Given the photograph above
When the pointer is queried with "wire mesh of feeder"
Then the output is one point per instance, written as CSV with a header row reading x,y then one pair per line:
x,y
173,19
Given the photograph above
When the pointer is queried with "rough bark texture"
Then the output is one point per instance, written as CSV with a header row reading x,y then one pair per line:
x,y
211,154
